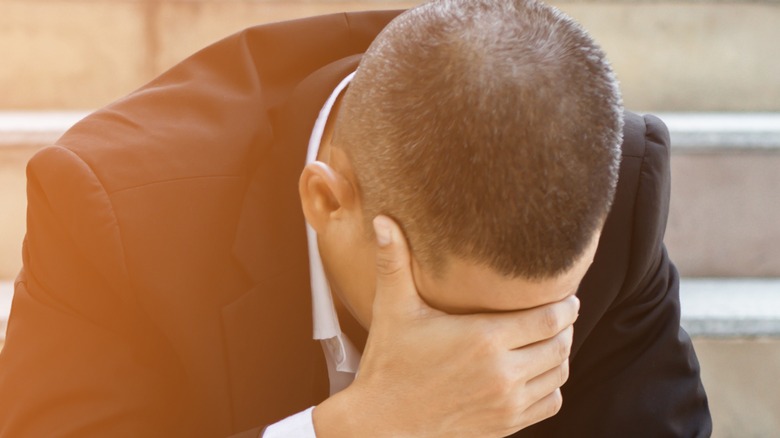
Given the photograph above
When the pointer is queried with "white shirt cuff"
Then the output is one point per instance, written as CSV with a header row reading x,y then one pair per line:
x,y
299,425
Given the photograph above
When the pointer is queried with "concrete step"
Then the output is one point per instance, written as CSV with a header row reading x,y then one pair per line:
x,y
31,129
731,307
740,377
724,218
724,132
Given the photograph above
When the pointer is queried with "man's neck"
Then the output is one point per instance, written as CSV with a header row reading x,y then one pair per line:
x,y
350,326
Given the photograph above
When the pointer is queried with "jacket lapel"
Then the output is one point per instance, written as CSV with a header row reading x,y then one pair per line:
x,y
271,230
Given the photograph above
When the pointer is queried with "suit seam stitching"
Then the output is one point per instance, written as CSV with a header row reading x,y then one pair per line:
x,y
170,180
348,23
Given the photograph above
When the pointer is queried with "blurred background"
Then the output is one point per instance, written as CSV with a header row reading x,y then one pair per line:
x,y
709,68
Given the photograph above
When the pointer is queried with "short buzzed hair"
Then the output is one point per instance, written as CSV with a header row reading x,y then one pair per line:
x,y
490,130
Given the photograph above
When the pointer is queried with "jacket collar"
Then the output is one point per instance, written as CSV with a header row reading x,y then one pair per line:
x,y
270,235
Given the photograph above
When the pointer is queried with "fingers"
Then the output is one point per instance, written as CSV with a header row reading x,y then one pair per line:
x,y
542,396
525,327
547,382
543,409
537,359
395,288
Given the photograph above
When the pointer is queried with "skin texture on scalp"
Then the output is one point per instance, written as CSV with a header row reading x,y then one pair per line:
x,y
489,131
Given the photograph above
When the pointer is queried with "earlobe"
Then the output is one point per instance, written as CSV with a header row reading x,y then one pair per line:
x,y
324,194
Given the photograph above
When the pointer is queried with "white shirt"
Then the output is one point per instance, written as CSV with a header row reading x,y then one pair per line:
x,y
341,355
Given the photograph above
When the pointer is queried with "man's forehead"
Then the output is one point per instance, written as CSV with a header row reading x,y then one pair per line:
x,y
467,287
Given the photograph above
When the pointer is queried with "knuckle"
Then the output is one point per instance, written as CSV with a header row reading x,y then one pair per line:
x,y
568,337
503,383
564,372
512,410
488,339
556,403
561,346
551,320
549,406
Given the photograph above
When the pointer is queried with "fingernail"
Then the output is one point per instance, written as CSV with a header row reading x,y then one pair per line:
x,y
384,235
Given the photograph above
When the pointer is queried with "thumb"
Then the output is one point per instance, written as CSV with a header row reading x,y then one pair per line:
x,y
395,288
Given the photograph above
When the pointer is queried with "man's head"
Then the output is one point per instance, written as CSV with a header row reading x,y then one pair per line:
x,y
490,131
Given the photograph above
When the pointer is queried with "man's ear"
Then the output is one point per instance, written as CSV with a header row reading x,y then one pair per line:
x,y
326,195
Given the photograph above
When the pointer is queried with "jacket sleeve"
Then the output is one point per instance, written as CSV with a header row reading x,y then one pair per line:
x,y
80,359
635,372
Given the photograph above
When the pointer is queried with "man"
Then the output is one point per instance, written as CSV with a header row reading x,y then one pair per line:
x,y
167,290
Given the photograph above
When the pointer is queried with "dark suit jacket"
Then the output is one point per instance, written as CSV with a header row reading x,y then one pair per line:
x,y
165,287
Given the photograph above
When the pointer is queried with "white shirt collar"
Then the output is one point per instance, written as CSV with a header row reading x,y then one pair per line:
x,y
325,320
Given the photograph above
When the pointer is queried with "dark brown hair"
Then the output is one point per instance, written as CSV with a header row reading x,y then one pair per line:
x,y
490,130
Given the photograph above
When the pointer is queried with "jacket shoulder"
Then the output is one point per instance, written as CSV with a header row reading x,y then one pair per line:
x,y
213,114
643,134
632,236
646,155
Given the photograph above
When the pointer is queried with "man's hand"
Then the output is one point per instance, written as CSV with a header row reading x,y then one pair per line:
x,y
425,373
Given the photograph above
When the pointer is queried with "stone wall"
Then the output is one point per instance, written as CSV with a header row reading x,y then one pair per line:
x,y
705,55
